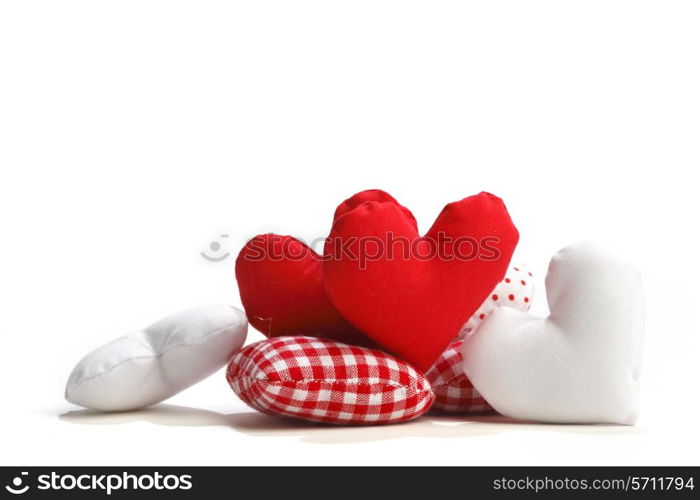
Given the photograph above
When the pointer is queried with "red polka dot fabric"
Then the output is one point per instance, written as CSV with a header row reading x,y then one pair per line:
x,y
319,380
515,290
454,393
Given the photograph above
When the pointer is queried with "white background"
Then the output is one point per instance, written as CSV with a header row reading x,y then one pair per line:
x,y
134,133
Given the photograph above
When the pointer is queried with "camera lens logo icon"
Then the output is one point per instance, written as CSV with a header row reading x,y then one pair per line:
x,y
16,487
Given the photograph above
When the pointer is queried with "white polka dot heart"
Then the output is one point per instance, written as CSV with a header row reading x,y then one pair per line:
x,y
515,290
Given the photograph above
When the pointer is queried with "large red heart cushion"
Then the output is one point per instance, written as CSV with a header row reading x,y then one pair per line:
x,y
281,284
413,294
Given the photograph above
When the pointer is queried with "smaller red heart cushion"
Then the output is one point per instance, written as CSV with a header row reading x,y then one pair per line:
x,y
318,380
454,392
281,288
281,284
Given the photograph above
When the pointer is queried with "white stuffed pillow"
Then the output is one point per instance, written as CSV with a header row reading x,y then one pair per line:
x,y
153,364
579,365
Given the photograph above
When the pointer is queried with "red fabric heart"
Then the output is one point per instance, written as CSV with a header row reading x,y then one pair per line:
x,y
285,296
281,284
413,305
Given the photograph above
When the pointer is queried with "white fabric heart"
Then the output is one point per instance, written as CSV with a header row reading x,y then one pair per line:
x,y
579,365
150,365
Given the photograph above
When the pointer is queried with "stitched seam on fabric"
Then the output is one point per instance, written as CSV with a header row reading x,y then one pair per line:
x,y
155,356
335,381
417,390
449,381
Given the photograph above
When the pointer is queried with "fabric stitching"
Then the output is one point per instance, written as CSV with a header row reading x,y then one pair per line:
x,y
388,383
154,356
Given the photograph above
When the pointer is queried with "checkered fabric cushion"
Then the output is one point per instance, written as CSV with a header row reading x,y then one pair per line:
x,y
454,393
320,380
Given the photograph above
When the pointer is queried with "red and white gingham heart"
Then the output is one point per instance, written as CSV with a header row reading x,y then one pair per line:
x,y
321,380
454,393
